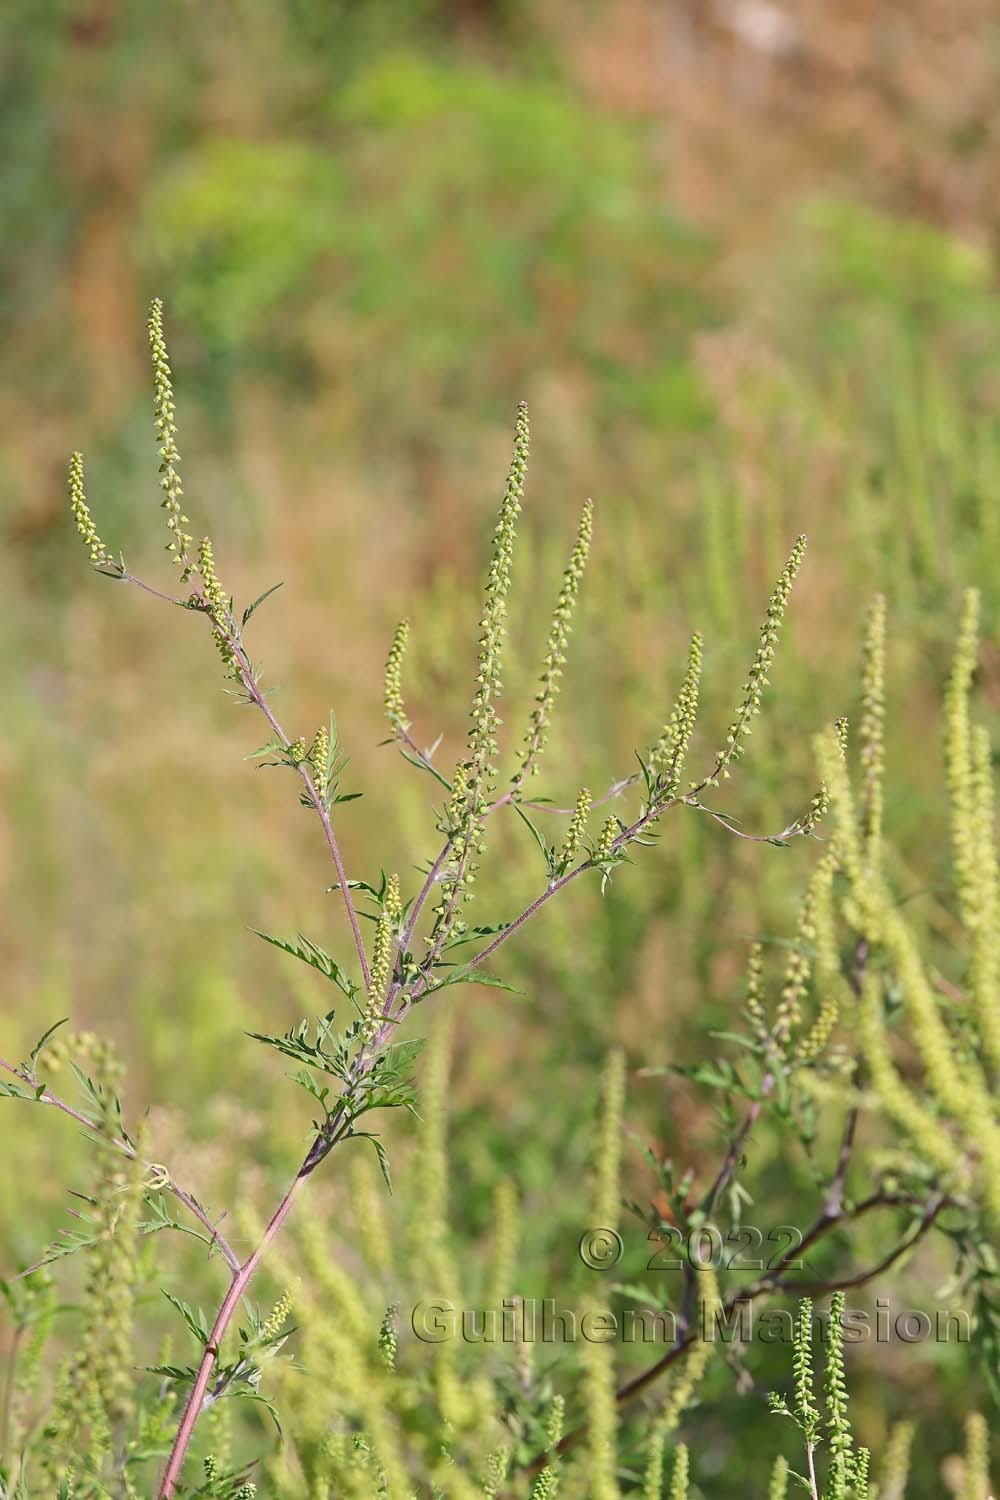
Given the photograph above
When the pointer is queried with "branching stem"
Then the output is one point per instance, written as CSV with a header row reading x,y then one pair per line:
x,y
768,1285
393,1007
164,1182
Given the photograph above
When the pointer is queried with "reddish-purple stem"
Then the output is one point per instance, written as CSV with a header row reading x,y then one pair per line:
x,y
240,1281
366,1059
254,692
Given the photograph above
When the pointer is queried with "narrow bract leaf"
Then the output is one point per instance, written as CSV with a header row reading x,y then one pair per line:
x,y
42,1042
380,1152
317,958
251,609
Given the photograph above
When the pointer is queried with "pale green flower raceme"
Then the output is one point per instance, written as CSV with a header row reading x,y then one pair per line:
x,y
165,414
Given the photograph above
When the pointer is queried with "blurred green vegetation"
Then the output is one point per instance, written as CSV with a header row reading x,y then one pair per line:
x,y
375,228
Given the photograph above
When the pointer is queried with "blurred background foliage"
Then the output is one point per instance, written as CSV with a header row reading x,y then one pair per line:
x,y
741,261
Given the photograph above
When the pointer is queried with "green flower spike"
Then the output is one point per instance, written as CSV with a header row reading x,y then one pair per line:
x,y
577,828
604,848
667,756
383,957
838,1425
475,777
99,554
395,711
555,651
872,726
779,1480
679,1480
319,760
757,680
166,437
219,605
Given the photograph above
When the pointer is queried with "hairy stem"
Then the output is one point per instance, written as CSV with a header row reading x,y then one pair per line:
x,y
163,1179
209,1358
811,1461
252,690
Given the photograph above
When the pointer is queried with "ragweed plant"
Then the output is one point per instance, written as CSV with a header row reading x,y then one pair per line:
x,y
878,1067
949,1108
856,1027
421,941
835,1467
847,1470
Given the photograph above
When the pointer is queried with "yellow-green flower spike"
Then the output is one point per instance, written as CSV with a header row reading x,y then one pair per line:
x,y
554,1423
805,1400
219,605
956,1083
840,1438
493,621
166,437
692,1371
81,513
757,679
835,780
458,803
871,730
667,756
896,1463
319,750
576,830
547,1483
976,1479
920,1123
754,1005
388,1342
820,804
497,1469
604,848
276,1318
652,1486
545,1486
383,957
778,1488
985,913
607,1165
679,1478
958,748
214,592
601,1415
829,981
797,971
319,760
792,992
504,1242
395,711
475,779
970,785
816,811
555,650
